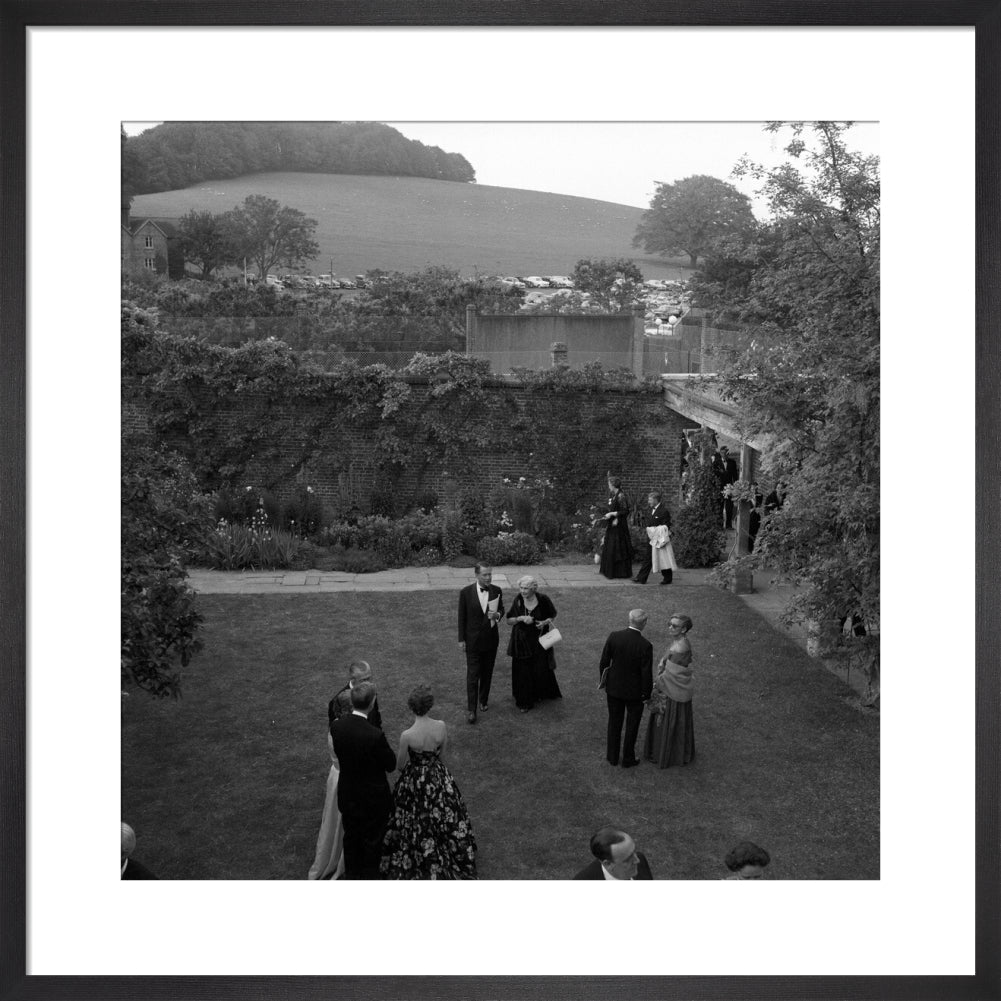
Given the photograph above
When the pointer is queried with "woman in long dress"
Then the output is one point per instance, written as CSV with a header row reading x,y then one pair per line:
x,y
533,675
617,549
670,737
429,834
328,861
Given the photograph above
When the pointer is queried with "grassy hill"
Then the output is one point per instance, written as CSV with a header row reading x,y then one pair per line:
x,y
406,223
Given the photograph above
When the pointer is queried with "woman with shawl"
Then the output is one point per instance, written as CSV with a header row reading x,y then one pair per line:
x,y
670,738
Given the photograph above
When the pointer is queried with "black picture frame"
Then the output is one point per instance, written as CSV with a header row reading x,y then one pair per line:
x,y
15,17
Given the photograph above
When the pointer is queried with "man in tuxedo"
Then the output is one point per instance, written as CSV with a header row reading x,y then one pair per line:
x,y
481,606
131,868
615,857
628,660
340,704
730,475
363,794
659,515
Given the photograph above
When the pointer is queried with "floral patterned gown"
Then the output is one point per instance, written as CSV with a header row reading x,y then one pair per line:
x,y
429,834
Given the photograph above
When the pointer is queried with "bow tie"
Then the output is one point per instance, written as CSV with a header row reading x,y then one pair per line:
x,y
482,590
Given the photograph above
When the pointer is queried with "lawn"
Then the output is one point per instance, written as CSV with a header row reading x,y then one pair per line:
x,y
228,782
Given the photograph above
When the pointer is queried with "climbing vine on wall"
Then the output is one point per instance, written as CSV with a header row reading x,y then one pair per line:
x,y
228,408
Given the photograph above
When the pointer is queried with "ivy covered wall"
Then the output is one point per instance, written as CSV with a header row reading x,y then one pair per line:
x,y
254,416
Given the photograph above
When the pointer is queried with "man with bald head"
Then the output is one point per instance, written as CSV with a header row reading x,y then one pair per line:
x,y
615,857
131,868
626,674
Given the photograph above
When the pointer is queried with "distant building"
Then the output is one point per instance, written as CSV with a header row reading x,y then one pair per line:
x,y
151,245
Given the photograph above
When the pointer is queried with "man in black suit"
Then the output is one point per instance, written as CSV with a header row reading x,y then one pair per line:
x,y
132,868
363,794
730,475
659,515
615,857
628,660
480,608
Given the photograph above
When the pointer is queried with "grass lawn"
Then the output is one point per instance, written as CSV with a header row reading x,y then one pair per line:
x,y
228,782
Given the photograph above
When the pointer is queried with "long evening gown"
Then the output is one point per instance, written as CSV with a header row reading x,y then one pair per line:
x,y
429,835
617,549
532,674
328,861
670,735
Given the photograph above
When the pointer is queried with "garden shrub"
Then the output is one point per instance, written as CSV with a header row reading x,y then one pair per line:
x,y
382,501
429,556
697,536
518,547
238,506
163,519
426,501
303,513
422,529
252,547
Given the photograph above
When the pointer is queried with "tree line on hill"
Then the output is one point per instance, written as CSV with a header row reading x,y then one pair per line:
x,y
178,154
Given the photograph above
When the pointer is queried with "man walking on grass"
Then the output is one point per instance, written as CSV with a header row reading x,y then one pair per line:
x,y
480,608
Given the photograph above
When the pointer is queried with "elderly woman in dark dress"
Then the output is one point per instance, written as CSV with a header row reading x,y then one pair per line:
x,y
532,675
617,549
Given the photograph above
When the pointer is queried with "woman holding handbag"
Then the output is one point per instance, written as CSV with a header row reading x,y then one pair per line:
x,y
532,665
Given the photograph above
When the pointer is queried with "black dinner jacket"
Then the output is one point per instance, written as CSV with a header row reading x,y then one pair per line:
x,y
474,627
731,473
364,756
136,870
628,655
340,705
659,515
593,869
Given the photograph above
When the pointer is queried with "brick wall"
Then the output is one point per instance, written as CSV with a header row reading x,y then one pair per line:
x,y
344,472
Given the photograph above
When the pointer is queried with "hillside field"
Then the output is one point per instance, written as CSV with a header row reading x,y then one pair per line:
x,y
407,223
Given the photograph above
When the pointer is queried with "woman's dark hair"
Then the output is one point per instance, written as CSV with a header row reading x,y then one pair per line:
x,y
746,853
420,700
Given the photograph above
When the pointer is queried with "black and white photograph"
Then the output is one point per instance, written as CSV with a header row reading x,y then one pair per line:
x,y
471,380
512,468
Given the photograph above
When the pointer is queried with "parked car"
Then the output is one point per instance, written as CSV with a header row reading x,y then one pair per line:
x,y
534,281
514,282
560,281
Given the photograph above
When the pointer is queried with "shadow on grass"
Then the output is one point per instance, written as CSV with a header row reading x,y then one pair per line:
x,y
228,782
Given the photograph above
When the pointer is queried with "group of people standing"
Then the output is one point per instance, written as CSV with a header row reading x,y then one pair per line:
x,y
418,830
421,828
617,550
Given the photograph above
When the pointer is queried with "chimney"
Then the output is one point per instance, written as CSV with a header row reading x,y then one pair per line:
x,y
558,354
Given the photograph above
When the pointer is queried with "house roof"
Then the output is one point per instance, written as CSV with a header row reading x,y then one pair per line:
x,y
166,226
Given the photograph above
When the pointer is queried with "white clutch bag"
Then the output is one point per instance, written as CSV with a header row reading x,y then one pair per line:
x,y
550,639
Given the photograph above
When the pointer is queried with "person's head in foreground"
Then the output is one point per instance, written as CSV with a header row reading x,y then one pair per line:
x,y
616,851
747,861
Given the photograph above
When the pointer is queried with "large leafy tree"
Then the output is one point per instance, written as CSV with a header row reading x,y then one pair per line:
x,y
206,241
691,216
807,377
269,233
612,285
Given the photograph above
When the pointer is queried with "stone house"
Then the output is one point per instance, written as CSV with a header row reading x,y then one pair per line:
x,y
150,245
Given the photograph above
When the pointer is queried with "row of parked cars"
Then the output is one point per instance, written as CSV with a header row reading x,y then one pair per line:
x,y
533,281
312,281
